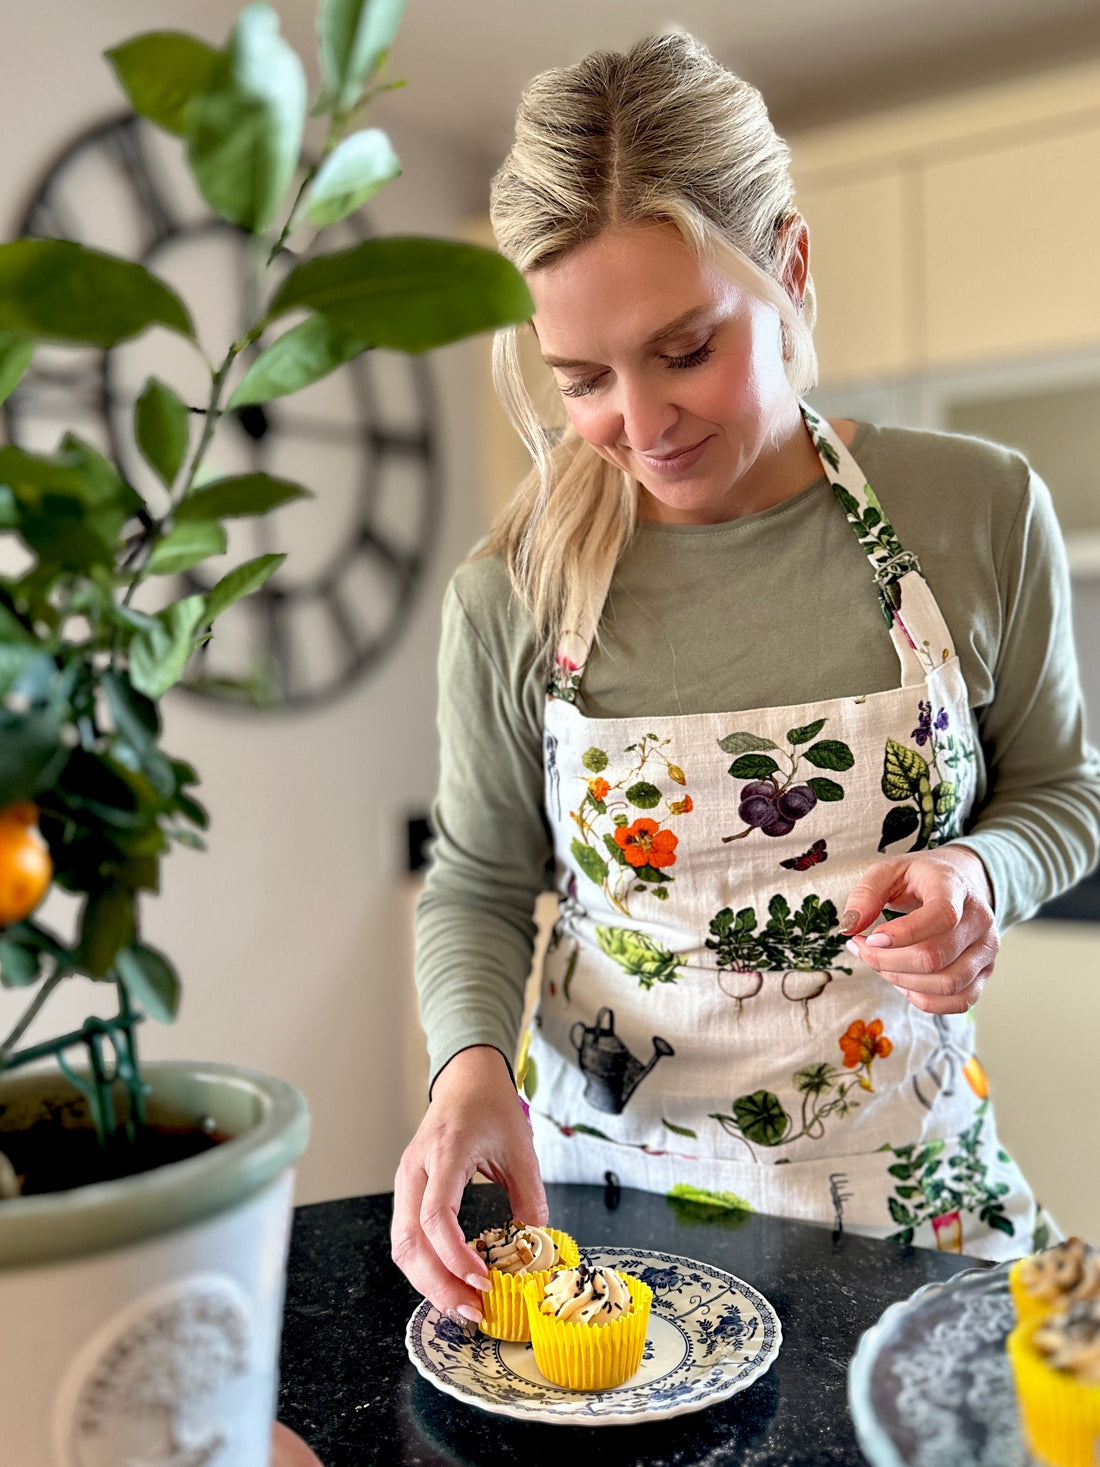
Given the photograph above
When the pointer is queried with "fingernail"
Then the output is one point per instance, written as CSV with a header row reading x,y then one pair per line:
x,y
878,939
852,949
849,922
470,1312
478,1281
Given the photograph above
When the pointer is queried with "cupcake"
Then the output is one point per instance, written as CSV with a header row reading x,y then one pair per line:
x,y
512,1254
1056,1365
588,1326
1054,1278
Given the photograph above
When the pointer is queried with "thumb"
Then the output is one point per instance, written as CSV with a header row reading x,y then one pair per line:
x,y
868,897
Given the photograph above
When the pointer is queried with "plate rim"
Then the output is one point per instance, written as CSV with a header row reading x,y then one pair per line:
x,y
611,1419
873,1440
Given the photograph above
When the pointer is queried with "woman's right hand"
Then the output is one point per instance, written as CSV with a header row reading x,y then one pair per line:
x,y
474,1123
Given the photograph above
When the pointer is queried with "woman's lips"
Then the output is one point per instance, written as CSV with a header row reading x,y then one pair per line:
x,y
675,463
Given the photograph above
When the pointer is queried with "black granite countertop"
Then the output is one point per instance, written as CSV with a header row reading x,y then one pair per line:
x,y
350,1391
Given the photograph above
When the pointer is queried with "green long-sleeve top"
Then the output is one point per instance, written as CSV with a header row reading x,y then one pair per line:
x,y
770,609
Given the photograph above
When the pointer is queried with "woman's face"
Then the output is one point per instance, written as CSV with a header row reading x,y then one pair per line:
x,y
672,373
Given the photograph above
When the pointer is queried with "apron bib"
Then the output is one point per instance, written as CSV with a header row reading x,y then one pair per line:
x,y
701,1025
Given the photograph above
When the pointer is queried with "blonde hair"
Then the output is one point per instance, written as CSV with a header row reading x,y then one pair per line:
x,y
662,132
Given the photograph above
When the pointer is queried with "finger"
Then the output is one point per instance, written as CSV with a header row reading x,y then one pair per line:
x,y
955,1003
881,882
939,941
522,1180
439,1221
952,978
414,1254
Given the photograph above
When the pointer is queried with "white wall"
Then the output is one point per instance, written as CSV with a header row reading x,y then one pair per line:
x,y
292,932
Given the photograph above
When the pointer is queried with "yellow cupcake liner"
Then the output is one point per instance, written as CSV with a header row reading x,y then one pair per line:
x,y
504,1312
588,1357
1059,1415
1027,1306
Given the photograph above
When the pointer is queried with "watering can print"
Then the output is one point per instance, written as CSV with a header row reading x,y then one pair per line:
x,y
611,1073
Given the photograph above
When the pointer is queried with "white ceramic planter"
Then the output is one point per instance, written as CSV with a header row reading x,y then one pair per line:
x,y
140,1318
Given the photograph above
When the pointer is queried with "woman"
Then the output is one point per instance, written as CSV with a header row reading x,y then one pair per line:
x,y
808,744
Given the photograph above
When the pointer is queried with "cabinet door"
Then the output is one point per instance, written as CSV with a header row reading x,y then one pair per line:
x,y
857,259
1010,248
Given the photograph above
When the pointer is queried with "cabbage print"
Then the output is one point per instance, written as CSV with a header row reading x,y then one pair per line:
x,y
924,790
639,955
760,1118
624,843
942,1181
771,801
803,945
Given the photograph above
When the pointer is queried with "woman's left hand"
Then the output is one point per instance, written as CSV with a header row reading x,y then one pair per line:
x,y
941,953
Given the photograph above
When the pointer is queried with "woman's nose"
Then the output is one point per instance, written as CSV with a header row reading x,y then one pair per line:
x,y
648,416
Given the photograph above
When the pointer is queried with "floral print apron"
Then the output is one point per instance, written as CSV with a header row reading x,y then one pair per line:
x,y
701,1026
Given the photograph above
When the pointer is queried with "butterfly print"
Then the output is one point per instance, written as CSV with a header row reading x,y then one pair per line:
x,y
816,853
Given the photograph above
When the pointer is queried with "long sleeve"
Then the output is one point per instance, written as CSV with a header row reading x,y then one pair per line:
x,y
475,918
1038,828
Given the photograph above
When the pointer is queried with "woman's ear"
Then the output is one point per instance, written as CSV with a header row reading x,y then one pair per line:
x,y
796,249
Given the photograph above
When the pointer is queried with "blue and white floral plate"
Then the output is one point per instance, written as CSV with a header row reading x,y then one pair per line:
x,y
931,1385
710,1335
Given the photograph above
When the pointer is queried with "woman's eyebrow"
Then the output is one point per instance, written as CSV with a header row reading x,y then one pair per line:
x,y
681,323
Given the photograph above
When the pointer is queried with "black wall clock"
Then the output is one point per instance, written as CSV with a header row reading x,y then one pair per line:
x,y
362,439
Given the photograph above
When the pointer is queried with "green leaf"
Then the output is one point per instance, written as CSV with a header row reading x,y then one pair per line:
x,y
301,356
903,770
55,290
684,1192
137,720
830,754
804,735
15,357
353,39
530,1079
33,753
158,658
185,545
644,796
19,966
160,72
678,1130
150,981
239,582
761,1118
15,659
944,798
243,494
900,822
244,129
590,861
409,293
744,743
106,924
162,427
354,171
825,789
594,760
753,766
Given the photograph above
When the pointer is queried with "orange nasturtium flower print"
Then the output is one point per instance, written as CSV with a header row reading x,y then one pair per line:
x,y
863,1043
598,788
645,844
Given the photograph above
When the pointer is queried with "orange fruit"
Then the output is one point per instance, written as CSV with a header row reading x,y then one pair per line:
x,y
25,866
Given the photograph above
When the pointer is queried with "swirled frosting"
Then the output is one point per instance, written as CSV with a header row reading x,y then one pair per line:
x,y
1068,1270
585,1295
516,1248
1069,1340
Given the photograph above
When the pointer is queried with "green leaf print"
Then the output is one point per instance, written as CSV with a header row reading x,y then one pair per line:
x,y
745,743
594,760
678,1130
682,1192
590,861
761,1118
898,824
639,955
643,795
615,848
830,754
826,789
753,766
848,502
902,771
530,1079
804,735
944,799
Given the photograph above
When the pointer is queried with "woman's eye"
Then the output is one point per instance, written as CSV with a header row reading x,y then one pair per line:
x,y
693,359
579,389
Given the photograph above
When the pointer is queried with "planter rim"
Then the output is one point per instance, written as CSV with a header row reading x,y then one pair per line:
x,y
104,1215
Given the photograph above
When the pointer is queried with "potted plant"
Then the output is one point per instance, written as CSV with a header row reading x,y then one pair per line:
x,y
144,1209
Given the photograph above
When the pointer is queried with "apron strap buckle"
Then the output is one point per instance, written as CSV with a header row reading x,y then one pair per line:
x,y
895,566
